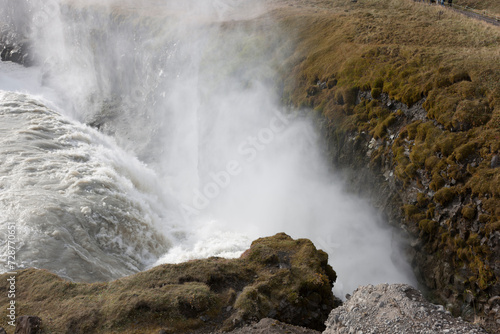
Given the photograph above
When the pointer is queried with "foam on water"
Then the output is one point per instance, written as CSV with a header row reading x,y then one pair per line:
x,y
75,198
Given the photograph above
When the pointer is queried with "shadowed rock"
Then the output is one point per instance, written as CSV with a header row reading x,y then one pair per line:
x,y
28,324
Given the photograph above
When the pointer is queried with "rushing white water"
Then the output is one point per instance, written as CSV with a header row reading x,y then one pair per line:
x,y
194,157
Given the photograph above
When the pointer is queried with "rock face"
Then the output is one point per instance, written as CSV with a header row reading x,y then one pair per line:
x,y
450,242
15,48
395,308
278,277
27,324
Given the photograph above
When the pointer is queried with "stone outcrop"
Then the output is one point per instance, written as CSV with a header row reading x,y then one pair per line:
x,y
395,308
15,48
28,324
278,277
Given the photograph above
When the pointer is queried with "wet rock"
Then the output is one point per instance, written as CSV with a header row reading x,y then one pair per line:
x,y
28,324
395,308
15,48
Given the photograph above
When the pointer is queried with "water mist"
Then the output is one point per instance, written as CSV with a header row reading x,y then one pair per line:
x,y
186,93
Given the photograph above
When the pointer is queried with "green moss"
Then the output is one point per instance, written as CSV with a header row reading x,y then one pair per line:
x,y
423,129
419,154
378,83
410,210
350,95
465,151
428,226
446,145
469,212
383,123
471,113
485,181
491,228
411,170
462,103
445,195
437,182
474,239
413,213
442,81
430,211
412,129
422,200
431,162
484,218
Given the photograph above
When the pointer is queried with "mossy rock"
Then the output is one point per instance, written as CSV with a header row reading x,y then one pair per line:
x,y
428,226
445,195
431,162
278,277
437,182
470,114
469,212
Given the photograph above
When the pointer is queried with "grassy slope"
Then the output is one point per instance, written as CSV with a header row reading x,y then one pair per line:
x,y
412,51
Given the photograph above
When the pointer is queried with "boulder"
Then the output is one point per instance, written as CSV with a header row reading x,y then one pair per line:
x,y
28,324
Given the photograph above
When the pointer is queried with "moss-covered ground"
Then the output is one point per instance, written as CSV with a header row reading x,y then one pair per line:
x,y
277,277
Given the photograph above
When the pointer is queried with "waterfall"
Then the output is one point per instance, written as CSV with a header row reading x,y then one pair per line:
x,y
154,133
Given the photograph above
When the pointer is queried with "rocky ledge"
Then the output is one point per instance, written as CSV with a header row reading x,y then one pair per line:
x,y
15,48
278,277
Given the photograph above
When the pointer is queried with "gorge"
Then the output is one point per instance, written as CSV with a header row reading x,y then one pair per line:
x,y
163,132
